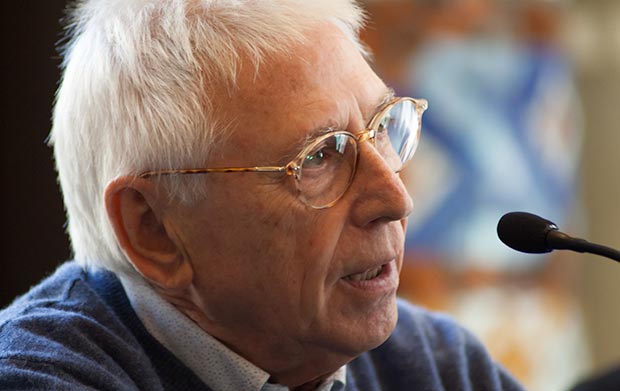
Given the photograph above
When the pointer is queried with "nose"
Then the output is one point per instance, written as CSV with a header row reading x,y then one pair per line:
x,y
379,193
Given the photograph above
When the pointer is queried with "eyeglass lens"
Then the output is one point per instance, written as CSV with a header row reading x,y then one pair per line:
x,y
327,169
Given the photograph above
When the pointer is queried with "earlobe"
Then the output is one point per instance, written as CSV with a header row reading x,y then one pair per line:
x,y
137,216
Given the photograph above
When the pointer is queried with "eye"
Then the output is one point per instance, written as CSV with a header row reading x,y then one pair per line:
x,y
382,137
384,125
319,157
326,154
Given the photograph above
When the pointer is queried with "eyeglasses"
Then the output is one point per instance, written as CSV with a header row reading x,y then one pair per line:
x,y
325,168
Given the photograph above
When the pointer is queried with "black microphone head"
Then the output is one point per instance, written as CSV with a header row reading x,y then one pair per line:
x,y
525,232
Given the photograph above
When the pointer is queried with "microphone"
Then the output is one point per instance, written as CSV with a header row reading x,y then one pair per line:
x,y
528,233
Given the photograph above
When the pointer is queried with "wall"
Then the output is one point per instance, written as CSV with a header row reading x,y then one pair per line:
x,y
593,36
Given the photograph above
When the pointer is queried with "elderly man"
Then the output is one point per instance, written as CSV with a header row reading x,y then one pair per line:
x,y
230,173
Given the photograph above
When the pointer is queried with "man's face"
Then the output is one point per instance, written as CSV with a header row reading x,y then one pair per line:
x,y
274,277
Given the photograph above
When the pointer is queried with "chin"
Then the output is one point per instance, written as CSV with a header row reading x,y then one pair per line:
x,y
384,325
374,330
347,338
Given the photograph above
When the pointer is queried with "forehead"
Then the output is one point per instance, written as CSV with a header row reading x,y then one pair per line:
x,y
323,82
326,56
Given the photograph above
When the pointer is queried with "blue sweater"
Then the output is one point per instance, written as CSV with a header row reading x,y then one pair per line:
x,y
77,331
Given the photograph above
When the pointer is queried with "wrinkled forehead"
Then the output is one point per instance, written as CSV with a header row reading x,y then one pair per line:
x,y
301,71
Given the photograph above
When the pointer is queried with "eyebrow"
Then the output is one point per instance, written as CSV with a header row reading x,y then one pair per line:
x,y
387,98
317,132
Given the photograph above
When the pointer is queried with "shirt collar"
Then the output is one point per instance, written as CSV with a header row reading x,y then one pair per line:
x,y
335,382
214,363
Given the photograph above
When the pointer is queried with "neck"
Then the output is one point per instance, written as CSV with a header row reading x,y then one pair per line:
x,y
290,363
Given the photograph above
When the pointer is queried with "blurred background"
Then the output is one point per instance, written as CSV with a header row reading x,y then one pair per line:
x,y
522,116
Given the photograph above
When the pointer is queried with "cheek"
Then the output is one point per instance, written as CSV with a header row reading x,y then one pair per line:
x,y
256,248
275,262
238,221
320,241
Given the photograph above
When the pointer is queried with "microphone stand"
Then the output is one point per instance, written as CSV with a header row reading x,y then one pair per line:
x,y
557,240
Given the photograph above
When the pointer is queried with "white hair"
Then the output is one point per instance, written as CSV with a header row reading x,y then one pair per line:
x,y
134,95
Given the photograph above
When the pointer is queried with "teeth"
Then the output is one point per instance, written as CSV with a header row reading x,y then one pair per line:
x,y
365,276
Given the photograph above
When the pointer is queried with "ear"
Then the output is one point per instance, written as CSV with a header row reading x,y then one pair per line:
x,y
136,210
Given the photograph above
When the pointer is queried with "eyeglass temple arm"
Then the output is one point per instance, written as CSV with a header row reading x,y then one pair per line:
x,y
289,169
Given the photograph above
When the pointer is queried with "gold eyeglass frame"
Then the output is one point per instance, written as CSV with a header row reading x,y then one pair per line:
x,y
294,166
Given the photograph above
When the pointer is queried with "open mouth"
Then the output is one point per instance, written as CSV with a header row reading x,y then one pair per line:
x,y
370,274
